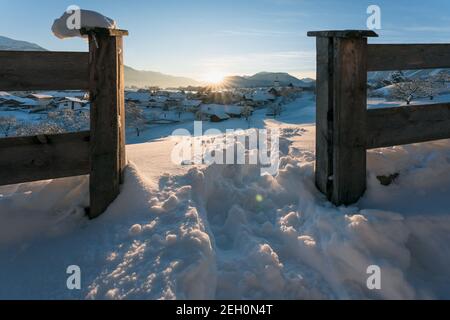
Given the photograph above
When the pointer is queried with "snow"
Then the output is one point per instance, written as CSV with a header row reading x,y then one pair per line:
x,y
88,19
226,232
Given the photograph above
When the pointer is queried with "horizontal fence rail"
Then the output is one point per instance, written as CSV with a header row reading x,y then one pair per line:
x,y
407,124
43,70
387,57
27,159
100,152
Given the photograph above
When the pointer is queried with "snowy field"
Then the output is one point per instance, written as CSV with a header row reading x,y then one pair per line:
x,y
219,232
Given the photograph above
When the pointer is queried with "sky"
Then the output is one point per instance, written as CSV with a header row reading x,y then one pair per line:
x,y
201,38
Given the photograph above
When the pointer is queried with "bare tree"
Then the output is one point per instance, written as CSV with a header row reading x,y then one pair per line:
x,y
408,91
247,112
135,117
7,125
70,120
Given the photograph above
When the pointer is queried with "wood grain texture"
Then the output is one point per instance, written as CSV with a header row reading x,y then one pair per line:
x,y
27,159
386,57
107,108
408,124
349,119
324,116
43,70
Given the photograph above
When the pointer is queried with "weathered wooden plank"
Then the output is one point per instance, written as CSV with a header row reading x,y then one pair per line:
x,y
107,108
385,57
27,159
324,116
408,124
43,70
342,33
349,119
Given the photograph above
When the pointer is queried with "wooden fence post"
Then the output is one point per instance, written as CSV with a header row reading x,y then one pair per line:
x,y
107,145
341,111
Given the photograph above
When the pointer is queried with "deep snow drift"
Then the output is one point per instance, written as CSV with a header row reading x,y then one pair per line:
x,y
228,232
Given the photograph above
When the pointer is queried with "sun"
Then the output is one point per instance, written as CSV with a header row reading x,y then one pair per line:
x,y
214,77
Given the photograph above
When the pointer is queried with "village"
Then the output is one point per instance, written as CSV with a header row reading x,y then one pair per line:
x,y
25,113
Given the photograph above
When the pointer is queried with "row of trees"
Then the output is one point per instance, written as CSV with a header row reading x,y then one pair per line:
x,y
60,121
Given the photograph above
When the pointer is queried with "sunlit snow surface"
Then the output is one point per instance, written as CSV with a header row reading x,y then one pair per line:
x,y
197,232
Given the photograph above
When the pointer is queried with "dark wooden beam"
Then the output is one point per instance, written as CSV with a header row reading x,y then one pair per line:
x,y
43,70
27,159
107,120
408,124
341,114
386,57
342,33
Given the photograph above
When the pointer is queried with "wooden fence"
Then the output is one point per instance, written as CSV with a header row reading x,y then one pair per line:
x,y
99,152
345,129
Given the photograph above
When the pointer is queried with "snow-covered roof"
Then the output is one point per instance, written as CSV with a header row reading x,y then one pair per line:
x,y
192,103
73,99
158,99
220,110
39,96
4,96
260,95
64,94
232,109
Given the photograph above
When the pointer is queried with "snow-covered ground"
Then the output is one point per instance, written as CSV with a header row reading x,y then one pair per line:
x,y
225,231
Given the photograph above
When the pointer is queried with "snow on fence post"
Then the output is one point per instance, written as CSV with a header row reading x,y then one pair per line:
x,y
341,113
107,141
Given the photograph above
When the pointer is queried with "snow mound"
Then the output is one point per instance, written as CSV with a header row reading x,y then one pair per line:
x,y
63,26
226,232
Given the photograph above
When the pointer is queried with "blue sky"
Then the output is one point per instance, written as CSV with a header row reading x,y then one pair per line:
x,y
198,37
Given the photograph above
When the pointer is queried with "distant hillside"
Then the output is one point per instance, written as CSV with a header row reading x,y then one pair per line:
x,y
264,79
409,74
8,44
139,78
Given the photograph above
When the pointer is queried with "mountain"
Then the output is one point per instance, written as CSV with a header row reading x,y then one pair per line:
x,y
308,80
264,79
139,78
8,44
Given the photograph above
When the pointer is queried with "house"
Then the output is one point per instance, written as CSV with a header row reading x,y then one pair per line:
x,y
191,105
233,110
9,100
71,103
274,92
138,97
218,117
260,97
157,101
218,112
